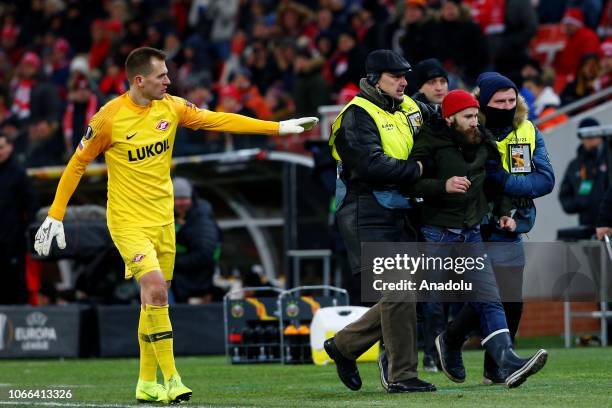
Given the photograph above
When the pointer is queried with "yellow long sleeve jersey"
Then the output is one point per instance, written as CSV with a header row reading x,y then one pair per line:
x,y
137,143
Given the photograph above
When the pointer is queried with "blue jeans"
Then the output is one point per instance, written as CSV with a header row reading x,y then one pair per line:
x,y
492,316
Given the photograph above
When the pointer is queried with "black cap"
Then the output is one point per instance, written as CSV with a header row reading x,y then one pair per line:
x,y
428,69
380,61
586,122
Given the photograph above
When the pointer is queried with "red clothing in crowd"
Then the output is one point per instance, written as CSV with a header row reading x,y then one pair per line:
x,y
583,41
489,14
115,83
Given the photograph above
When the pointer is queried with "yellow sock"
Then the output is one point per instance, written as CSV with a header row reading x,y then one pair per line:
x,y
148,361
160,335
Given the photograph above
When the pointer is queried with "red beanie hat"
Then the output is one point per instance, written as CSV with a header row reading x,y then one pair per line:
x,y
456,101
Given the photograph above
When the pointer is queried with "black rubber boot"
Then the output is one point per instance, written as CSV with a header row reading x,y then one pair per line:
x,y
500,348
492,374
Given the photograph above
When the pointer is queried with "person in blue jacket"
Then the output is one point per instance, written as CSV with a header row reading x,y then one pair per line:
x,y
525,173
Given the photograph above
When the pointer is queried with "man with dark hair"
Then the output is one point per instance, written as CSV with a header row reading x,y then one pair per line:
x,y
430,79
371,140
17,209
136,133
138,61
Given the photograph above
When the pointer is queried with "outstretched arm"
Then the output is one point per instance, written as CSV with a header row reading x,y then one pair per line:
x,y
195,118
96,140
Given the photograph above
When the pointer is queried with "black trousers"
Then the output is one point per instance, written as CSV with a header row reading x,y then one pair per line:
x,y
12,272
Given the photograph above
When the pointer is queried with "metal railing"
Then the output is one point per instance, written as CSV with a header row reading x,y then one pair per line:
x,y
574,106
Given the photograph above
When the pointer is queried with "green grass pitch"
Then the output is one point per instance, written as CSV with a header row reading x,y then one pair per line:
x,y
572,378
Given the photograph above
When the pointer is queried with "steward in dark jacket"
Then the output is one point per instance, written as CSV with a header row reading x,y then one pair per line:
x,y
371,141
585,181
197,246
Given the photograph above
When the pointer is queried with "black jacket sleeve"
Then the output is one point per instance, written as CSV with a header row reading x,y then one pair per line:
x,y
605,210
426,186
359,145
28,198
568,194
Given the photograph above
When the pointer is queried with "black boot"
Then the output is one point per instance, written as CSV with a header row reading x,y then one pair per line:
x,y
411,385
346,368
449,343
492,374
450,357
500,348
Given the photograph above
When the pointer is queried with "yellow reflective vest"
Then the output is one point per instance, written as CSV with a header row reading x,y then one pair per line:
x,y
396,129
396,132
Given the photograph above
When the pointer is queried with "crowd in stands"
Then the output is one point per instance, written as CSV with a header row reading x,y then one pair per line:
x,y
60,60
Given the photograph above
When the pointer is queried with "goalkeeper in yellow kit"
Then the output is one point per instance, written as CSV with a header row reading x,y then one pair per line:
x,y
136,132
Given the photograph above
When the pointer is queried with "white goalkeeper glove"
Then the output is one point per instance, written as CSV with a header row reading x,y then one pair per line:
x,y
287,127
50,228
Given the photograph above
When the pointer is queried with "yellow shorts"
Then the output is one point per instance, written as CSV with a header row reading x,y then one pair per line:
x,y
146,249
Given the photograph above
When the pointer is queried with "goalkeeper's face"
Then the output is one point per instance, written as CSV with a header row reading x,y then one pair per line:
x,y
155,83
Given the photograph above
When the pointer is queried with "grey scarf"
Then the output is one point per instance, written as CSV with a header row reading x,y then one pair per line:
x,y
376,96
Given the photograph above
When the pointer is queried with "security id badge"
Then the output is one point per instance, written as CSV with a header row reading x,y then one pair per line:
x,y
520,158
415,119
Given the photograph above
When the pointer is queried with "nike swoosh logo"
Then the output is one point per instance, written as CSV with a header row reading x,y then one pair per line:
x,y
128,137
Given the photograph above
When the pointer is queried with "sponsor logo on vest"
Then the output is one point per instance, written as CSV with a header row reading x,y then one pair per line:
x,y
148,151
388,126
